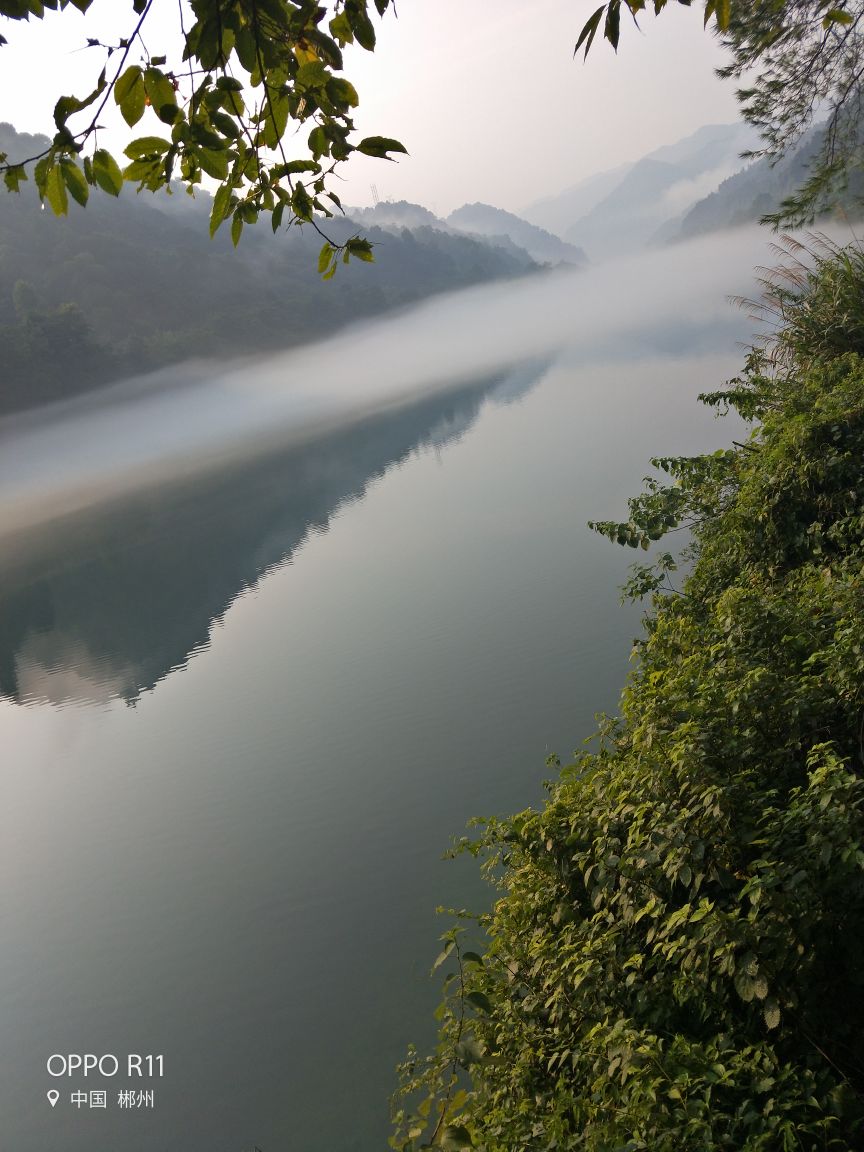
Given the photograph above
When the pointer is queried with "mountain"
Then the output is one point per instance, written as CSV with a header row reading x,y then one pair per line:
x,y
124,286
658,187
618,211
557,213
492,223
395,216
757,190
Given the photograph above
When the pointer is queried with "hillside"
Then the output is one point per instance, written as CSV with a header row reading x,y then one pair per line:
x,y
558,213
658,187
754,192
672,960
614,213
132,284
484,220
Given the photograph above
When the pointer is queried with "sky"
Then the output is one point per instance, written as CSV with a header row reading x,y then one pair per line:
x,y
485,94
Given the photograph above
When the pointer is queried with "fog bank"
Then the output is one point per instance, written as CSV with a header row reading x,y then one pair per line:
x,y
146,432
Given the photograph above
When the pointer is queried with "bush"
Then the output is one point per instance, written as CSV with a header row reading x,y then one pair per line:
x,y
674,961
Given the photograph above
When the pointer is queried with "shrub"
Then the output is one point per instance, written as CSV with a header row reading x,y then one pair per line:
x,y
674,960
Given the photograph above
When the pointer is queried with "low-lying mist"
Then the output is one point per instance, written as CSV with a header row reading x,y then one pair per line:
x,y
157,429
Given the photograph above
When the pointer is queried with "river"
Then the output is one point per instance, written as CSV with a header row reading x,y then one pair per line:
x,y
243,712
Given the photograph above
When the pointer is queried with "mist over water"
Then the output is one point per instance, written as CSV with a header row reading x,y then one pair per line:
x,y
151,431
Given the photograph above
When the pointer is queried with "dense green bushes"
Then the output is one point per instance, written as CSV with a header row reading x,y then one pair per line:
x,y
675,960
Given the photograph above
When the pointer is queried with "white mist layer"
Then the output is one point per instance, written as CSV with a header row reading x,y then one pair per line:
x,y
140,433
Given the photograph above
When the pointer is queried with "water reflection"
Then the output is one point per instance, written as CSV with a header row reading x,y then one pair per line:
x,y
102,606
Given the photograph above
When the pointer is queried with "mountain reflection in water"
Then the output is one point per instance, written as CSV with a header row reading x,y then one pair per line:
x,y
107,603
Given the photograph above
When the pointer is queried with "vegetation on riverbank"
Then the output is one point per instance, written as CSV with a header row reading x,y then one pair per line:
x,y
675,957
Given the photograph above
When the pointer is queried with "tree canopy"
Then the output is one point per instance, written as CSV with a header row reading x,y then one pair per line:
x,y
797,60
217,102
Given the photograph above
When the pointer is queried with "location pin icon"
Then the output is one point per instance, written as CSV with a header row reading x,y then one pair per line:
x,y
53,1096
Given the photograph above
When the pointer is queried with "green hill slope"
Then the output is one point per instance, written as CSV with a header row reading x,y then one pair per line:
x,y
674,958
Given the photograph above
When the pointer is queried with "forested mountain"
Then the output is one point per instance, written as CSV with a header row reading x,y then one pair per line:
x,y
754,192
132,284
503,230
494,223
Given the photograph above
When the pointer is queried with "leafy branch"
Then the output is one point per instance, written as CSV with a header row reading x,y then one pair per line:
x,y
242,73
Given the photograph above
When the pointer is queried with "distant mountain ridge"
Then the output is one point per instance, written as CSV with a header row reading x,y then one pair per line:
x,y
542,246
482,222
756,191
622,210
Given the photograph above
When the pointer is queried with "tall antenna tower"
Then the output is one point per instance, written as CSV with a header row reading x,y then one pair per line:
x,y
375,194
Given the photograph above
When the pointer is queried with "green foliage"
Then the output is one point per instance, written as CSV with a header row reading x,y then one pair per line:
x,y
796,59
674,960
222,96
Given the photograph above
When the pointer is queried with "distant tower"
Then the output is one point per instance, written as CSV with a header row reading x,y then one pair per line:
x,y
375,194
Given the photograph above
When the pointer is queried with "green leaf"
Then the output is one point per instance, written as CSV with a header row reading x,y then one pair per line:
x,y
236,228
326,256
480,1000
55,190
221,207
360,248
342,92
130,95
612,27
146,146
301,203
318,144
341,28
836,16
106,172
363,28
455,1137
589,30
225,124
293,167
443,954
246,48
379,146
13,177
160,90
125,83
75,181
214,163
771,1013
64,108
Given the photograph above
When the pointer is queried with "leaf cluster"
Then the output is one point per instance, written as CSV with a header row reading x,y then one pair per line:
x,y
223,95
674,960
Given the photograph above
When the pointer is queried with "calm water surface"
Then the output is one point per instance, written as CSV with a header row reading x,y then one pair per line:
x,y
242,720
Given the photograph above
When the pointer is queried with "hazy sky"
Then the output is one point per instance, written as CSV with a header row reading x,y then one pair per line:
x,y
485,94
